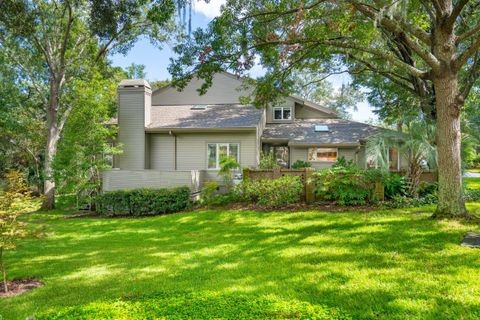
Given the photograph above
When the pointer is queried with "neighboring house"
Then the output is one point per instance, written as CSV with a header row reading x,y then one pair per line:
x,y
172,138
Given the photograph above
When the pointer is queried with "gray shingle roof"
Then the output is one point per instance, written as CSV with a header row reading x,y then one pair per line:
x,y
213,117
302,132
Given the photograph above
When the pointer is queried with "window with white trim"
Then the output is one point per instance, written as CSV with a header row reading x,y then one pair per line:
x,y
322,154
218,151
282,113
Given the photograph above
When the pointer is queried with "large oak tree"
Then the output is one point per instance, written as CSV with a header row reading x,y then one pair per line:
x,y
430,47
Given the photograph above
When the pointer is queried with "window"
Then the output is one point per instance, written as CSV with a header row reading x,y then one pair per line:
x,y
393,158
322,154
218,151
282,113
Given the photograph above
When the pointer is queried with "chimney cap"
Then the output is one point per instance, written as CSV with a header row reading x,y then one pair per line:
x,y
134,83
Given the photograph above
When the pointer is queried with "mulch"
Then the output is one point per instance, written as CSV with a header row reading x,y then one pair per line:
x,y
19,286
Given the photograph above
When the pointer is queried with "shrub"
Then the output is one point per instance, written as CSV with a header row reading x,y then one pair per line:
x,y
343,184
209,191
300,164
395,185
210,196
426,188
268,161
141,202
272,192
472,195
398,202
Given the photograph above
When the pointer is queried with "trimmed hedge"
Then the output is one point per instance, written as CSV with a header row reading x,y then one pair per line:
x,y
143,202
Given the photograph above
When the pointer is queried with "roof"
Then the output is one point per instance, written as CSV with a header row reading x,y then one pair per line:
x,y
295,98
227,116
302,132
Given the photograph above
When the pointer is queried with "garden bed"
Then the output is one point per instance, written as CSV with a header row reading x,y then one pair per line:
x,y
19,286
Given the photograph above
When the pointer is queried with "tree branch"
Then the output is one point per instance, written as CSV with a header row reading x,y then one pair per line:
x,y
468,33
463,58
456,12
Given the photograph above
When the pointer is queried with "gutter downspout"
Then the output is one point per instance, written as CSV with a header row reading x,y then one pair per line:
x,y
174,149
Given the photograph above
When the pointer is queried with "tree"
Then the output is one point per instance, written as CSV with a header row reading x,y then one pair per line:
x,y
136,71
13,203
53,42
417,143
86,146
315,87
410,42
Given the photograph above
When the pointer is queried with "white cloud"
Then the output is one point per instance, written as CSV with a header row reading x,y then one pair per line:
x,y
210,9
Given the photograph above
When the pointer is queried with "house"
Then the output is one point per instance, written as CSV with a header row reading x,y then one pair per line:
x,y
172,138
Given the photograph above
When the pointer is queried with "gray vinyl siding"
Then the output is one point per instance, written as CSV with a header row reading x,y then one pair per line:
x,y
301,153
225,89
192,150
162,151
131,121
305,112
115,179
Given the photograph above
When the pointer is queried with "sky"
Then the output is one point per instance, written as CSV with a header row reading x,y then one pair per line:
x,y
156,60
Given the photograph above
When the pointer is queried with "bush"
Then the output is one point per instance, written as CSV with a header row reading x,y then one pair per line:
x,y
300,164
142,202
426,188
211,197
472,195
268,161
343,184
395,185
398,202
272,192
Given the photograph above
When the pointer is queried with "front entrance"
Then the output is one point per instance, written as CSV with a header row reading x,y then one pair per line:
x,y
280,152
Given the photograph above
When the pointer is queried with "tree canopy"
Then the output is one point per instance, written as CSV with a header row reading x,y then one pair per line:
x,y
429,49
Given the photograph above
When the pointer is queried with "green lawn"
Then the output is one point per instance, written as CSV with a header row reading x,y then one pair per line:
x,y
472,183
234,264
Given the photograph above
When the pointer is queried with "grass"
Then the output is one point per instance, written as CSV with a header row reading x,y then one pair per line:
x,y
472,183
241,264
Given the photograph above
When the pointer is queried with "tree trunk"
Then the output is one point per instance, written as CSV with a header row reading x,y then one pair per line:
x,y
4,272
448,105
51,147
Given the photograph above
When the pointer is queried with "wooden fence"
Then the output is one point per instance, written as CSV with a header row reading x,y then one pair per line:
x,y
305,175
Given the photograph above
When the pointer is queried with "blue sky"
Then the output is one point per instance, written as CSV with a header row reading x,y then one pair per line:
x,y
156,60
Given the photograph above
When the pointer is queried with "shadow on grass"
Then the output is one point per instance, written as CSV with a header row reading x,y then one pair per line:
x,y
369,265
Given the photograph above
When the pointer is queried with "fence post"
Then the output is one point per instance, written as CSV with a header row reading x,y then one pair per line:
x,y
380,191
309,186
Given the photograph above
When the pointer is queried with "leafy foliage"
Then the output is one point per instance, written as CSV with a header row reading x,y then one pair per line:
x,y
143,202
345,185
227,165
272,192
268,161
300,164
14,202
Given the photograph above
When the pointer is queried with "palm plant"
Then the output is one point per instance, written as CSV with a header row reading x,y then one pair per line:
x,y
415,145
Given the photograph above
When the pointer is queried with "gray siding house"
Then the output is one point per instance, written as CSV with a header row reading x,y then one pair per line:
x,y
171,138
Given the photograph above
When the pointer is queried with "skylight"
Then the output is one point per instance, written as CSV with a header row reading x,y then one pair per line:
x,y
321,128
199,107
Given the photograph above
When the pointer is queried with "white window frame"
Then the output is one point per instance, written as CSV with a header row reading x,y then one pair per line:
x,y
282,109
315,152
217,153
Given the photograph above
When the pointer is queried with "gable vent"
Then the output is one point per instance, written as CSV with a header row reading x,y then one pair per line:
x,y
321,128
199,107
